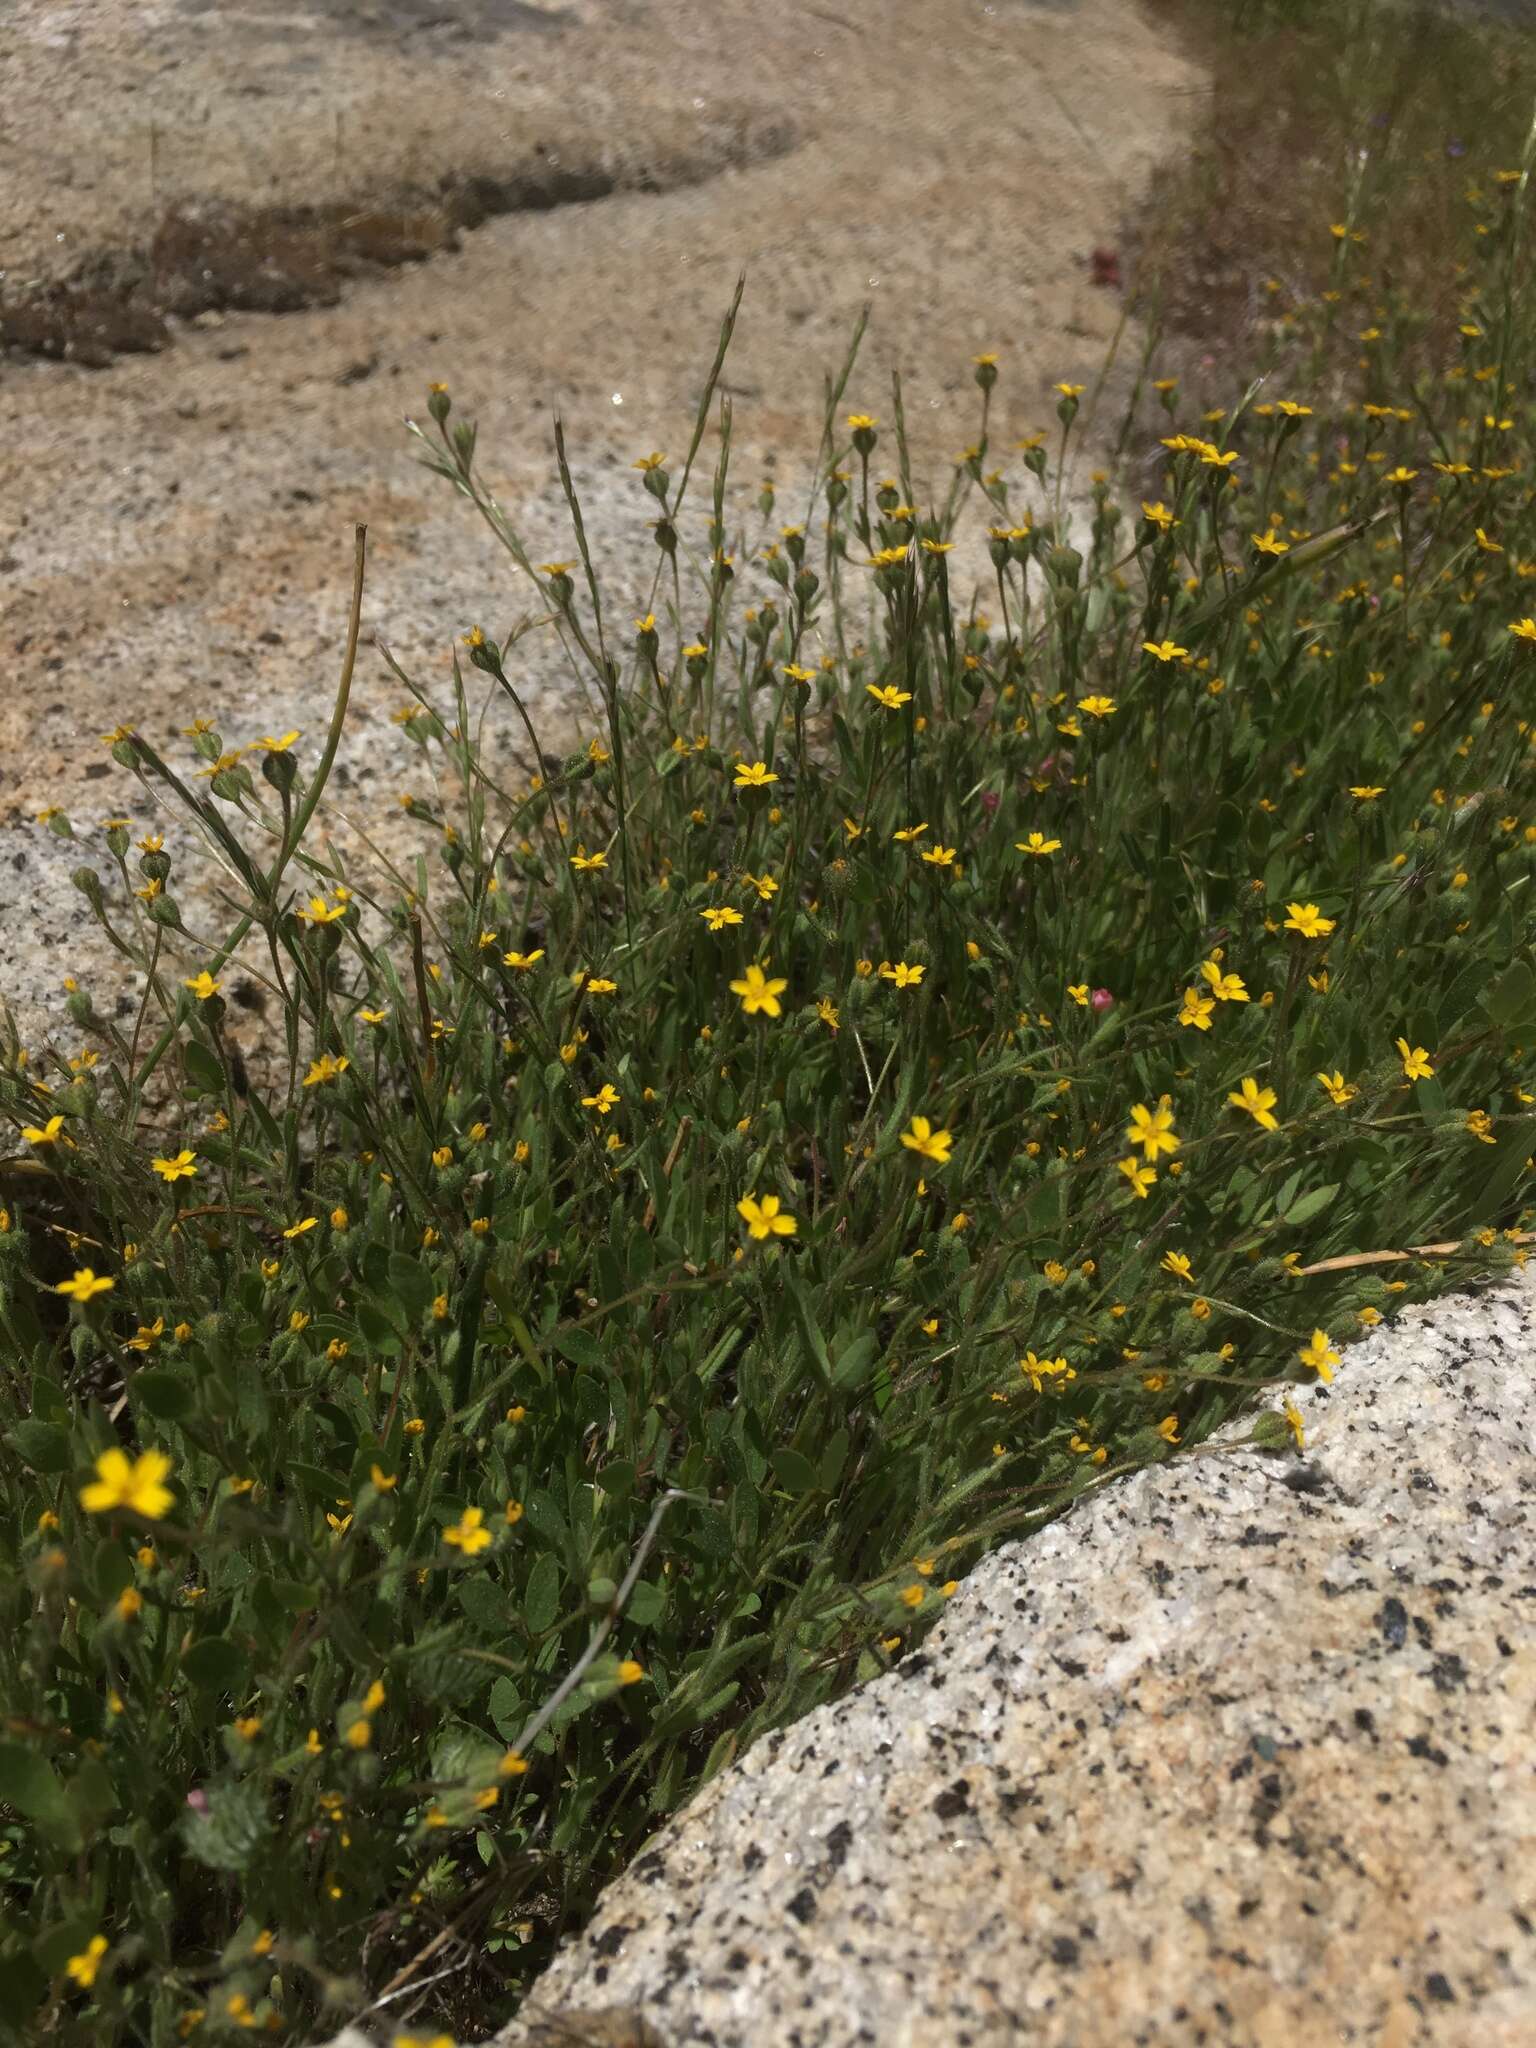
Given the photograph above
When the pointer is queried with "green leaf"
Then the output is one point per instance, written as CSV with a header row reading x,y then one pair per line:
x,y
203,1070
541,1597
815,1343
1511,1001
854,1364
579,1346
796,1474
1431,1100
42,1445
1311,1204
165,1395
28,1782
647,1603
1506,1164
411,1283
216,1664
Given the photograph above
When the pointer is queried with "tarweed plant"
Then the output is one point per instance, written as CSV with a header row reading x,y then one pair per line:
x,y
937,1041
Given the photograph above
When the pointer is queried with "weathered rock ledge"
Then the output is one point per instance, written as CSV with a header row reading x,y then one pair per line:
x,y
1239,1752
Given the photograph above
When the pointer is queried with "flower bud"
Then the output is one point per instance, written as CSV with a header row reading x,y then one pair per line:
x,y
88,882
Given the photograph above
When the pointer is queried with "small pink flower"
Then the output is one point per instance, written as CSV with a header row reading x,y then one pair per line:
x,y
1101,1000
197,1799
990,801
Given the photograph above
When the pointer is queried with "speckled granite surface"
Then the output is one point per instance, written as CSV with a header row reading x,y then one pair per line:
x,y
1237,1753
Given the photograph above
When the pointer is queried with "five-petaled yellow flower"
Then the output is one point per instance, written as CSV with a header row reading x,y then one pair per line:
x,y
1164,650
138,1486
888,695
901,974
753,775
182,1166
46,1134
1259,1103
1140,1177
202,986
1177,1263
1307,919
759,994
1152,1129
468,1533
84,1285
717,917
582,861
1197,1009
1320,1355
603,1100
1226,988
765,1218
922,1138
1038,844
523,961
1097,707
1416,1066
1337,1088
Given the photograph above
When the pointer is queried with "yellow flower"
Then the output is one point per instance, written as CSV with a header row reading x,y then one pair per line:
x,y
581,860
298,1229
203,985
523,961
47,1135
922,1138
1168,1429
940,857
1292,1416
1037,1370
1197,1009
1038,844
1337,1088
1366,792
1320,1355
1524,629
826,1010
902,975
1226,988
1164,650
1158,515
359,1733
757,775
1152,1129
603,1100
1177,1263
1416,1066
888,695
1306,919
137,1486
717,917
467,1534
81,1969
629,1672
905,834
1259,1103
273,746
1097,707
765,1218
321,912
1140,1177
182,1167
84,1285
326,1068
759,994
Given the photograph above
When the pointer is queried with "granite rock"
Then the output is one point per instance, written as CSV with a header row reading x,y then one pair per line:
x,y
1237,1752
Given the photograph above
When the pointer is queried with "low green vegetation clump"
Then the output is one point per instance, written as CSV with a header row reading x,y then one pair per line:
x,y
918,1057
